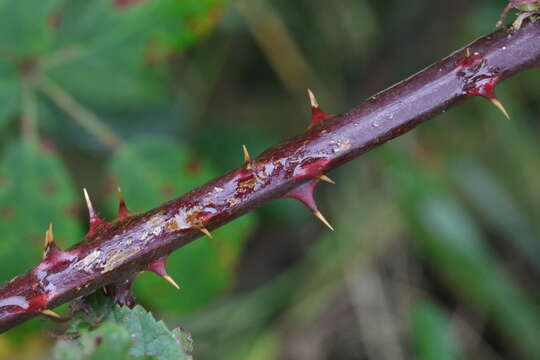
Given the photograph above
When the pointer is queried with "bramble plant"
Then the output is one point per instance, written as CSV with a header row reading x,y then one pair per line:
x,y
50,76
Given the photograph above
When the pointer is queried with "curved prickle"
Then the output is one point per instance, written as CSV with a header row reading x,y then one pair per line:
x,y
96,224
480,79
247,157
206,232
49,246
327,179
305,194
499,106
123,211
317,114
50,314
158,267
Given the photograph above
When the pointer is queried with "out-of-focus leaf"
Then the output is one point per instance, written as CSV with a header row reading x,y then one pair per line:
x,y
431,333
452,243
183,22
151,171
267,347
123,333
100,53
9,92
498,209
26,29
107,49
114,50
35,190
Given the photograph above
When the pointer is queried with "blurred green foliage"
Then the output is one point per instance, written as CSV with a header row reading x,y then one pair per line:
x,y
36,190
435,254
432,333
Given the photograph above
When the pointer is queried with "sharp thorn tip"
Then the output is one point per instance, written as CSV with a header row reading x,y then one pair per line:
x,y
327,179
312,99
88,202
50,313
247,157
206,232
323,219
500,106
171,281
49,240
49,237
123,210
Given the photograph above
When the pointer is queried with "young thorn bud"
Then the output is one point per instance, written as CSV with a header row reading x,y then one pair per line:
x,y
123,211
247,157
49,241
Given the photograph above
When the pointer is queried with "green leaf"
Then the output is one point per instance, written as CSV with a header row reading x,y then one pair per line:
x,y
9,93
123,333
151,171
151,337
109,341
35,190
112,53
432,334
182,23
26,29
105,54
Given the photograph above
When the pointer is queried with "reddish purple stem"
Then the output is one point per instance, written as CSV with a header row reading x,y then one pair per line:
x,y
128,245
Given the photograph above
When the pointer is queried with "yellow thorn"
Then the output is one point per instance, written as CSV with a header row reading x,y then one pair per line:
x,y
171,281
327,179
468,52
322,218
50,313
500,106
119,192
49,239
88,202
247,157
312,99
206,232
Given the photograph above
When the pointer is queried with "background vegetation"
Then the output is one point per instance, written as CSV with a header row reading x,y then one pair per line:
x,y
436,253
